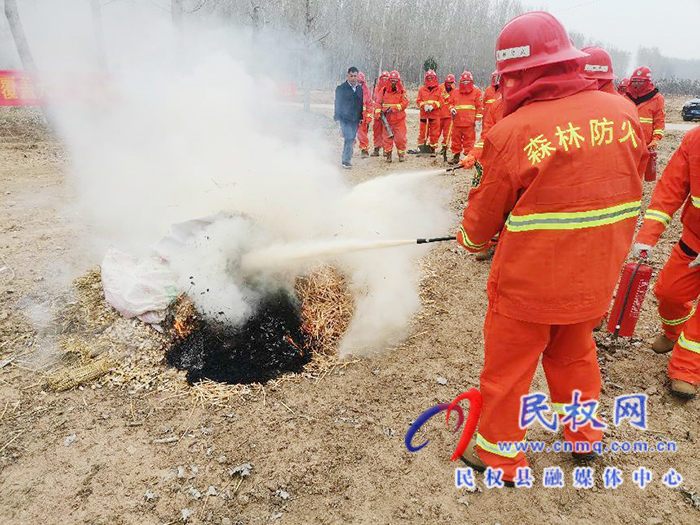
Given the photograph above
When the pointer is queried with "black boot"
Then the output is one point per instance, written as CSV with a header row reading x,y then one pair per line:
x,y
375,153
387,156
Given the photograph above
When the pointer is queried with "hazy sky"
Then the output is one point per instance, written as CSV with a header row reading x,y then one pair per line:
x,y
671,25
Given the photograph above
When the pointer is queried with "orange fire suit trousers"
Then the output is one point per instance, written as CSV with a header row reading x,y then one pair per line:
x,y
513,349
378,129
445,129
429,132
463,138
399,128
677,288
362,135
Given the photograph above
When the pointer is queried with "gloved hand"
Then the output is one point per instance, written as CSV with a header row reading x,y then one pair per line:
x,y
695,262
428,108
638,249
453,111
468,162
653,144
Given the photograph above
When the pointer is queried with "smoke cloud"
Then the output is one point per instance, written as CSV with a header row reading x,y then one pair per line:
x,y
187,125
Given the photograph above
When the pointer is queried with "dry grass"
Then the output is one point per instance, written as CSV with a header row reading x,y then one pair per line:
x,y
98,344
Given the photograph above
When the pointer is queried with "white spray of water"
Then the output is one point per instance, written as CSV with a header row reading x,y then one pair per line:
x,y
179,137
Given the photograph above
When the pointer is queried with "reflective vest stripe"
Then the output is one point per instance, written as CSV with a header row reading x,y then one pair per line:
x,y
573,220
695,201
658,215
645,120
693,346
491,101
468,242
398,106
495,449
433,102
676,322
465,107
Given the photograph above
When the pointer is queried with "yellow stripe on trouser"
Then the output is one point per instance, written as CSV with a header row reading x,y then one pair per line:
x,y
495,449
573,220
658,132
658,215
676,322
468,242
693,346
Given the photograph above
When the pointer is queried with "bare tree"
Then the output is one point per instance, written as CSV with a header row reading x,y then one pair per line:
x,y
13,19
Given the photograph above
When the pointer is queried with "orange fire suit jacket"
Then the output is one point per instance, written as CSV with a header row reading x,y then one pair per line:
x,y
468,106
395,102
491,118
436,97
367,107
652,116
489,98
562,183
678,186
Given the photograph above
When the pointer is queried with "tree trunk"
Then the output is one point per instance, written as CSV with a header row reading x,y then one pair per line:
x,y
176,10
25,55
99,35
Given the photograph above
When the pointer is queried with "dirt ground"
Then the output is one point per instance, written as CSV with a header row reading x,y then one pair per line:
x,y
329,450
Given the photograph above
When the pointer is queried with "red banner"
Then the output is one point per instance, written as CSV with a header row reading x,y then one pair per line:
x,y
17,89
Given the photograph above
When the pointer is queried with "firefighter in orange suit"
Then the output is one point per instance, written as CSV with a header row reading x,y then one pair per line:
x,y
377,125
650,104
465,104
490,94
367,112
678,285
492,115
598,66
430,100
562,177
445,116
393,102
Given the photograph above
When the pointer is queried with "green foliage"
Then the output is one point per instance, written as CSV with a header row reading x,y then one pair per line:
x,y
430,63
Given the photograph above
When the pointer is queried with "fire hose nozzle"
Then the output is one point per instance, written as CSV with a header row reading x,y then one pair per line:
x,y
435,239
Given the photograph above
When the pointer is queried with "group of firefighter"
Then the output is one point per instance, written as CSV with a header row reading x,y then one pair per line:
x,y
563,154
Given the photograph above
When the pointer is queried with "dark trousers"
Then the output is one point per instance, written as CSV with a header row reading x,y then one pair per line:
x,y
349,130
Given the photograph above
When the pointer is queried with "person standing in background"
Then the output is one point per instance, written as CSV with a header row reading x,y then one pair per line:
x,y
367,115
349,112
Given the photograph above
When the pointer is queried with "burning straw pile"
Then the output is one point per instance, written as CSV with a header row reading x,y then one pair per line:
x,y
288,337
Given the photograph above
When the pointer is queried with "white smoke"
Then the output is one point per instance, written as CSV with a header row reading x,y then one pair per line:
x,y
186,127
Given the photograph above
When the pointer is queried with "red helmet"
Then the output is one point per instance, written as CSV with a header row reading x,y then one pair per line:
x,y
531,40
360,77
430,74
466,78
394,76
597,65
625,83
450,79
384,75
641,73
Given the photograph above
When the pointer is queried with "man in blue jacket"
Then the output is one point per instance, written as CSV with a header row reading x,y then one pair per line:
x,y
348,112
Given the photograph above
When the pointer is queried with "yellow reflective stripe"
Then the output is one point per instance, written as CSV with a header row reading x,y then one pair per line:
x,y
646,120
434,102
479,115
658,132
573,220
468,242
695,200
495,449
491,101
465,107
658,215
391,106
676,322
693,346
479,144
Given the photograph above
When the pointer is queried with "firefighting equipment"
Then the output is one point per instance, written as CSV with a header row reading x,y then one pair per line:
x,y
531,40
387,127
650,171
641,250
541,219
683,389
630,297
662,344
513,349
468,162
